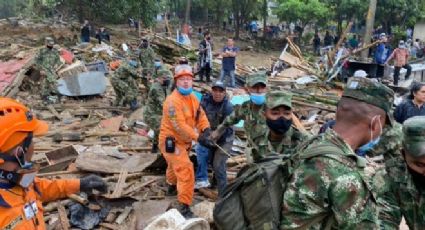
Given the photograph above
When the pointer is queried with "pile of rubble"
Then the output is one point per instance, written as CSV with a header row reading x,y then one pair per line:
x,y
89,135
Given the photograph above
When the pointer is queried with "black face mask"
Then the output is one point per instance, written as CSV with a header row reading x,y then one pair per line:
x,y
418,179
166,83
279,126
145,45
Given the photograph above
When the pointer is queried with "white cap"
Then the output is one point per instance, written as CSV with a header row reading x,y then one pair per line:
x,y
360,73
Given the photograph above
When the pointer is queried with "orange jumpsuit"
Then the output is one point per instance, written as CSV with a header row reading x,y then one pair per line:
x,y
183,118
13,200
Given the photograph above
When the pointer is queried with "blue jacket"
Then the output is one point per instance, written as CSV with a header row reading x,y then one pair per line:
x,y
381,53
216,113
406,110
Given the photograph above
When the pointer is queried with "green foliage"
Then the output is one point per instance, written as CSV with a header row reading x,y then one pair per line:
x,y
399,12
306,11
399,33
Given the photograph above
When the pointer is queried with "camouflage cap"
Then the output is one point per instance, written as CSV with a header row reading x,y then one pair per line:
x,y
278,98
255,78
371,92
414,136
162,72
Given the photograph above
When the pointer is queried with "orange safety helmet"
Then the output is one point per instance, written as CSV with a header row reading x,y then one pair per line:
x,y
16,122
183,70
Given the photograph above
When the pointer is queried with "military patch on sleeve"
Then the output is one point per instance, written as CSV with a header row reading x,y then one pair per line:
x,y
353,85
13,223
171,111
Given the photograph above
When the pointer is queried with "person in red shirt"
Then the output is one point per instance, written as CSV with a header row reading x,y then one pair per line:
x,y
21,192
400,56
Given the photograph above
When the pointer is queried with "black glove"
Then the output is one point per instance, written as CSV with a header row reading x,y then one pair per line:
x,y
205,138
90,182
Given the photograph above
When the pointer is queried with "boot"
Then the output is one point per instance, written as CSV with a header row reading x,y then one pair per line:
x,y
172,190
184,209
154,148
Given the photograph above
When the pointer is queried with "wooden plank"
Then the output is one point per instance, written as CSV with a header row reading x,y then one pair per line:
x,y
79,199
63,217
110,226
121,218
119,186
54,112
100,163
139,186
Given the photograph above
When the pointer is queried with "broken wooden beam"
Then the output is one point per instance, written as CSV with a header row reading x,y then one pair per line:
x,y
121,218
63,217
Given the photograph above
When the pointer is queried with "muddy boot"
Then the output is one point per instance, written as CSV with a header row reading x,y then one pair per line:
x,y
184,209
154,148
172,190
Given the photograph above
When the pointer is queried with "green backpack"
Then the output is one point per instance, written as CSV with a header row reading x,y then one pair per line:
x,y
254,199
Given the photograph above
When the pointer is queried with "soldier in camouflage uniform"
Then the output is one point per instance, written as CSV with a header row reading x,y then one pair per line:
x,y
281,137
125,85
252,112
156,96
47,62
404,195
331,187
147,59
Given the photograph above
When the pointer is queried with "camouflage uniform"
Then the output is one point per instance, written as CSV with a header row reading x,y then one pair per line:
x,y
147,57
403,197
263,146
125,85
48,60
332,187
153,109
254,121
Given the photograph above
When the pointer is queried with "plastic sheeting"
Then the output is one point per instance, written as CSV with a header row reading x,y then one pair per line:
x,y
9,70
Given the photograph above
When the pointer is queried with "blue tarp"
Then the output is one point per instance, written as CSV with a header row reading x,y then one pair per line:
x,y
236,100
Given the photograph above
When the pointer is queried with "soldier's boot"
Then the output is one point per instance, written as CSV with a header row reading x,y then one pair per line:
x,y
171,190
154,148
184,209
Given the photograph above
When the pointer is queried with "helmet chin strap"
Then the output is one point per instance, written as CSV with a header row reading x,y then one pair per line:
x,y
24,176
19,155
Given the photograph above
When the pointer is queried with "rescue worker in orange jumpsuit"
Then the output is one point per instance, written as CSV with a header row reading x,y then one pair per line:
x,y
183,121
21,192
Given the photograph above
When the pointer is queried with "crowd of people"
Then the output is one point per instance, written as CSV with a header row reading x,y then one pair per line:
x,y
334,184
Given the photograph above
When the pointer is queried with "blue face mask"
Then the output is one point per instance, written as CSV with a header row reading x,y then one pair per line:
x,y
184,91
258,98
157,64
361,151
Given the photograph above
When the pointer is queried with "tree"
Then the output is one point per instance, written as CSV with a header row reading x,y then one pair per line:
x,y
242,11
346,10
399,13
302,11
